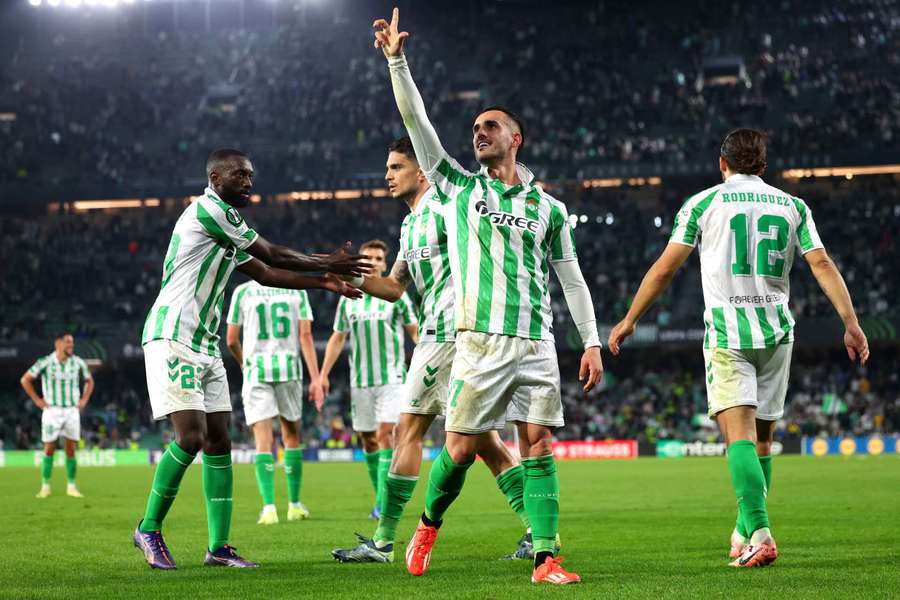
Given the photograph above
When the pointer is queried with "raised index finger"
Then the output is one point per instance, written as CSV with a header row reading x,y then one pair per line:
x,y
395,18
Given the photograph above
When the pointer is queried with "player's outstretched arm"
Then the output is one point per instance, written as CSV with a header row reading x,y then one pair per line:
x,y
27,383
655,282
581,308
832,283
389,288
274,277
340,262
426,144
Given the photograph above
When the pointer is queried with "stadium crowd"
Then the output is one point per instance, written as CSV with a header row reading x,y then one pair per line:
x,y
128,106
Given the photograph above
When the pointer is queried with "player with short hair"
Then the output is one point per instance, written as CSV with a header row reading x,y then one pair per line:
x,y
423,261
185,376
749,233
504,233
277,327
60,373
375,328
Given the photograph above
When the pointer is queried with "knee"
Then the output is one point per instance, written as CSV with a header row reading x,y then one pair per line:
x,y
217,447
191,441
540,447
369,441
460,451
384,438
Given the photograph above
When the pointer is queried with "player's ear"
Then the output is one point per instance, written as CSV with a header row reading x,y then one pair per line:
x,y
420,175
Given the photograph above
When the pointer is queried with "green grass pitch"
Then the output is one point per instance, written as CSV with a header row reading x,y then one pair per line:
x,y
648,528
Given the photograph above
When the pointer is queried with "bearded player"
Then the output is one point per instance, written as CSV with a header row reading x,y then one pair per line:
x,y
423,261
504,233
185,376
750,233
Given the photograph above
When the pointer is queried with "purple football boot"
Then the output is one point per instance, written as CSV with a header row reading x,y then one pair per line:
x,y
227,557
154,548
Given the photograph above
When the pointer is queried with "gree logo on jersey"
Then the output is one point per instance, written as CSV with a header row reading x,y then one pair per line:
x,y
505,219
422,253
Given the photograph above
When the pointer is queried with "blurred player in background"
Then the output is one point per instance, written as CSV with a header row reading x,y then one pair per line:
x,y
377,366
749,233
61,373
504,232
277,327
186,378
423,261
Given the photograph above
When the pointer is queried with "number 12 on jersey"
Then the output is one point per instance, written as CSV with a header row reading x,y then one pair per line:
x,y
774,226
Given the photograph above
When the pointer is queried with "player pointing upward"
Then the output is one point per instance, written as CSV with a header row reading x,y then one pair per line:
x,y
748,233
504,232
185,375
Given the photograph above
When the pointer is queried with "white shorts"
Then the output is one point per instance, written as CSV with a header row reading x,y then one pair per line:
x,y
498,377
428,379
264,401
180,379
58,421
373,405
757,377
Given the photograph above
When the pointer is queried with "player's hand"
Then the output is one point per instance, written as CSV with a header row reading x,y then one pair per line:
x,y
591,368
856,343
341,262
316,395
42,404
324,384
82,403
388,37
618,335
338,286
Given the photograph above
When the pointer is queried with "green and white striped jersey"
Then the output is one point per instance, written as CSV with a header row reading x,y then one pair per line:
x,y
207,243
501,240
60,381
270,318
749,233
376,338
423,246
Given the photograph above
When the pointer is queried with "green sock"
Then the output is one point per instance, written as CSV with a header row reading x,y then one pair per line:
x,y
71,469
293,469
372,466
444,484
766,463
398,489
218,484
265,476
46,469
749,485
542,501
384,466
512,483
169,471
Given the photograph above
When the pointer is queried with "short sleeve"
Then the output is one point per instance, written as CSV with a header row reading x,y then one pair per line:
x,y
561,235
304,310
449,179
235,315
341,323
807,236
404,310
224,223
686,229
241,257
38,368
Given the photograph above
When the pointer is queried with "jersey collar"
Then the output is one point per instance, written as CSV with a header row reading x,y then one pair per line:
x,y
524,173
744,177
